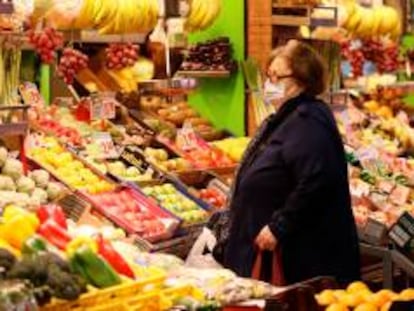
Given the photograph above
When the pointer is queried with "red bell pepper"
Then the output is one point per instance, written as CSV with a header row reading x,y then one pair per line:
x,y
54,233
54,212
106,250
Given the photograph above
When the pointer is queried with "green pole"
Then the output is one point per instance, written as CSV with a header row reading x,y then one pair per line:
x,y
45,82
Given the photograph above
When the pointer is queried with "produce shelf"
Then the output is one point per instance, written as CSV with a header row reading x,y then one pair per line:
x,y
219,74
302,15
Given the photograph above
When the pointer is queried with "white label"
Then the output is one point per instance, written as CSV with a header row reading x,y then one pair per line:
x,y
102,106
106,147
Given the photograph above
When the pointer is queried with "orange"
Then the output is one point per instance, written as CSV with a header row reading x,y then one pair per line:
x,y
386,307
337,307
339,294
352,300
326,298
366,307
379,299
387,294
356,287
407,294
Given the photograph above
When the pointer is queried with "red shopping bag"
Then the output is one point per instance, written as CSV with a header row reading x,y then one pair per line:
x,y
277,277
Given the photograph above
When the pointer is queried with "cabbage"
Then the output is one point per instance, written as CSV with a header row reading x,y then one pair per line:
x,y
41,178
39,195
13,168
54,190
7,183
3,156
25,185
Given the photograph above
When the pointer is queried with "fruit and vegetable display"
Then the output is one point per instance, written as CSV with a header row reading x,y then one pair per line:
x,y
214,197
117,18
170,198
66,167
176,115
202,14
121,55
22,189
358,297
135,213
379,20
161,159
46,43
378,138
129,172
213,55
383,54
71,62
10,65
233,147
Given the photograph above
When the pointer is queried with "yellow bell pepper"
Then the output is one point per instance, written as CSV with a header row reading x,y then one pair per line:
x,y
18,225
79,241
11,211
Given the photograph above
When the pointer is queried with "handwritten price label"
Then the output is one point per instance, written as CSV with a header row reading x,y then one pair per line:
x,y
103,141
102,106
31,95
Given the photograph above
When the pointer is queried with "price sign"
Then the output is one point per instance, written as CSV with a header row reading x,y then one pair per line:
x,y
375,232
402,232
31,95
105,145
102,106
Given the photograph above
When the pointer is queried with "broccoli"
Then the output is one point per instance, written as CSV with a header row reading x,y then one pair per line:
x,y
31,269
63,284
54,259
7,260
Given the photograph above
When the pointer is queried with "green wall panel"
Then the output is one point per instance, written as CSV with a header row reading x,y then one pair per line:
x,y
223,100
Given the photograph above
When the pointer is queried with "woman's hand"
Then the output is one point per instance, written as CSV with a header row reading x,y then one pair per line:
x,y
266,241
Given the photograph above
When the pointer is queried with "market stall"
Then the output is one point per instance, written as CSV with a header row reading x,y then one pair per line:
x,y
107,164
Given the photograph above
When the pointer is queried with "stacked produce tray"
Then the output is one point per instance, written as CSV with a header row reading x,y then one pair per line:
x,y
135,213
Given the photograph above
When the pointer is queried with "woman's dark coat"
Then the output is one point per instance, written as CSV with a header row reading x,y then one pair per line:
x,y
296,181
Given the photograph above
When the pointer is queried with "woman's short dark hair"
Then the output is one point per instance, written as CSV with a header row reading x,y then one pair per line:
x,y
308,66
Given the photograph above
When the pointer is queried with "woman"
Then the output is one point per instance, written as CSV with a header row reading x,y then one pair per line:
x,y
291,193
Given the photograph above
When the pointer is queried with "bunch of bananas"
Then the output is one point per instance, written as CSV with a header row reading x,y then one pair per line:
x,y
202,14
371,22
118,16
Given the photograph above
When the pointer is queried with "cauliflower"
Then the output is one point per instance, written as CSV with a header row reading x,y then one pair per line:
x,y
39,195
25,185
3,156
54,190
13,168
41,178
7,183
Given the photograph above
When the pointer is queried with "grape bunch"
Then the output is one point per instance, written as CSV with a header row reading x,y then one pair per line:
x,y
388,61
383,54
121,55
355,57
46,43
71,62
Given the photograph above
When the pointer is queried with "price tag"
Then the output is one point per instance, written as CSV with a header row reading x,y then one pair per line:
x,y
102,106
186,138
403,230
400,195
31,95
375,232
106,148
66,102
133,158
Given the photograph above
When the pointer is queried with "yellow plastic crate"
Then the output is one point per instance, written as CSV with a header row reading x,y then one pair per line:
x,y
108,296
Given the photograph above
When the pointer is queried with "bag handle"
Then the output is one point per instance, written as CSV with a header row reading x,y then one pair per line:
x,y
277,278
